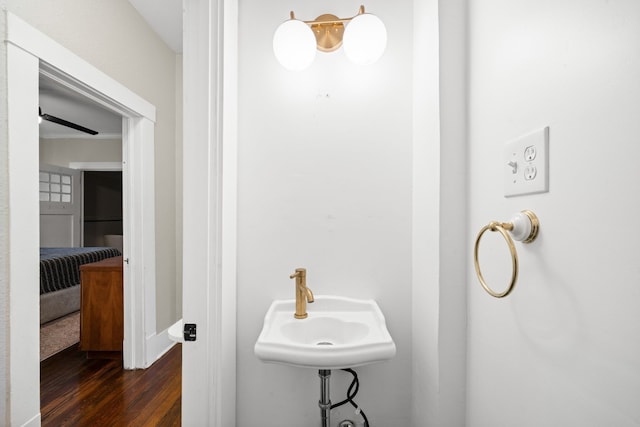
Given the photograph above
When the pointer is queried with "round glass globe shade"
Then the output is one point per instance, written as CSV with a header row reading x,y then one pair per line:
x,y
294,45
365,39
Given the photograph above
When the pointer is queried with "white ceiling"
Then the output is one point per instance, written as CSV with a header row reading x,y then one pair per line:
x,y
165,18
59,101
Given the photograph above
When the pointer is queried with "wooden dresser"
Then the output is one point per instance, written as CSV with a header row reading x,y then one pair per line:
x,y
101,308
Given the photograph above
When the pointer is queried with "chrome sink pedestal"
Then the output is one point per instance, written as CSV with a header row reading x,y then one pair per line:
x,y
325,399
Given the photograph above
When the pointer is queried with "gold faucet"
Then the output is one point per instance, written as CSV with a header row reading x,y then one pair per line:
x,y
303,294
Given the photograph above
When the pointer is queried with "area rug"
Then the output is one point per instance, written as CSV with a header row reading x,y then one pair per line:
x,y
59,334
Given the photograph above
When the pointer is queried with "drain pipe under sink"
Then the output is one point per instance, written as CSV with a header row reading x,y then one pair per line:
x,y
325,398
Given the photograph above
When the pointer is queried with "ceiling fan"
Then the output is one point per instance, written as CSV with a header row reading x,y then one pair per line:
x,y
64,122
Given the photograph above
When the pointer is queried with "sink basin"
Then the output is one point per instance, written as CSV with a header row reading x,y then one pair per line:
x,y
338,333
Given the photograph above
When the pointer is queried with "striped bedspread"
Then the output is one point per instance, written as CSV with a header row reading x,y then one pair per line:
x,y
60,267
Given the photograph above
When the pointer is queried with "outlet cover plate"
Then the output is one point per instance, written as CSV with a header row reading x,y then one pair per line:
x,y
526,164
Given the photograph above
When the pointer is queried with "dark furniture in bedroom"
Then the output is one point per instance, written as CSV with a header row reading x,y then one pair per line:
x,y
101,308
60,278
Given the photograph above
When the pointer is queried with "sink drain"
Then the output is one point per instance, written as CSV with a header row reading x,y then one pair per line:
x,y
324,343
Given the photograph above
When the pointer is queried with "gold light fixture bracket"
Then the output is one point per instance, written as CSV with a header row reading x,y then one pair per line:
x,y
328,30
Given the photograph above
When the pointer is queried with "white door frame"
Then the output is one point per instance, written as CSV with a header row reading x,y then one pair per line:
x,y
209,201
30,52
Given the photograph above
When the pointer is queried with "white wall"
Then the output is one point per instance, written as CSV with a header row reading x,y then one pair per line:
x,y
4,225
113,37
324,183
439,213
425,224
61,152
563,349
178,186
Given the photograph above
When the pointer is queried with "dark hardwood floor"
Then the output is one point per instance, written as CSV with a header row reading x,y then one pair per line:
x,y
76,391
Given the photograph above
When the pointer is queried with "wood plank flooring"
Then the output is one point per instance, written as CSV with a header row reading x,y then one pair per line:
x,y
76,391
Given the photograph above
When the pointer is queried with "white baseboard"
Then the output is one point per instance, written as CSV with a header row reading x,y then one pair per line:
x,y
157,345
33,422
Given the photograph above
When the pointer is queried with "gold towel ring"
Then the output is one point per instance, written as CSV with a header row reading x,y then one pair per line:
x,y
524,226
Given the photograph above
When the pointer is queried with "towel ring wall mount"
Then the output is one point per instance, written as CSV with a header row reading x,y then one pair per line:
x,y
523,227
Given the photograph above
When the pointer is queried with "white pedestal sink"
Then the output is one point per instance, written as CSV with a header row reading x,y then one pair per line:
x,y
338,333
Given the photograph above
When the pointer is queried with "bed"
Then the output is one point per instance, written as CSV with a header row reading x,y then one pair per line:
x,y
60,278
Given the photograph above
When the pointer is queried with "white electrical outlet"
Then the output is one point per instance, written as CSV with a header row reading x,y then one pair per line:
x,y
526,164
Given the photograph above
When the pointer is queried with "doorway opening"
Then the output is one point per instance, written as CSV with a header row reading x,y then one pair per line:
x,y
30,53
81,211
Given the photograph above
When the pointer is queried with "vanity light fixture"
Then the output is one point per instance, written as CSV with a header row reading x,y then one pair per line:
x,y
295,42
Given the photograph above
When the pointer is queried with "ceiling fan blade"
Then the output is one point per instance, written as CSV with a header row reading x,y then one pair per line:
x,y
66,123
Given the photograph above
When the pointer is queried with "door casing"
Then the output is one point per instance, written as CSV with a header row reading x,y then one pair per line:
x,y
29,52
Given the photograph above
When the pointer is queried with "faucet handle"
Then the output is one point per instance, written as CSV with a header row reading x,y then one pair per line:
x,y
300,272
